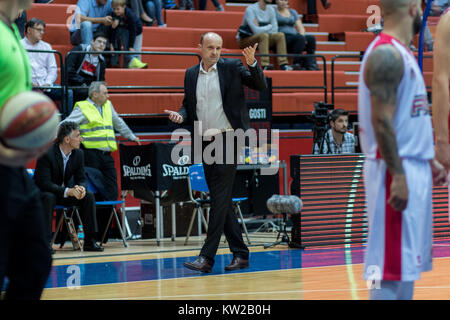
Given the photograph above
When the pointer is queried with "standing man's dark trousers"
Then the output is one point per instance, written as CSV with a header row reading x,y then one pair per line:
x,y
25,256
104,162
222,218
86,210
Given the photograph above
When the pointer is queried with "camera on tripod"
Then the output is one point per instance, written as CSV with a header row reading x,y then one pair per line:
x,y
321,119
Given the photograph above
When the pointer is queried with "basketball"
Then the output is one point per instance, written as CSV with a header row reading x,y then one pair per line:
x,y
28,120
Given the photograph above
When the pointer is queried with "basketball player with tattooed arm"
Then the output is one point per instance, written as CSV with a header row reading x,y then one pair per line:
x,y
399,168
25,256
441,88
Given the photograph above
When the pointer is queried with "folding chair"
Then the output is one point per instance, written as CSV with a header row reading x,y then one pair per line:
x,y
68,220
71,229
91,187
197,182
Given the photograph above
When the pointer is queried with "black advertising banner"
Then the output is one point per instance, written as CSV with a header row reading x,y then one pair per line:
x,y
259,105
136,168
166,171
150,167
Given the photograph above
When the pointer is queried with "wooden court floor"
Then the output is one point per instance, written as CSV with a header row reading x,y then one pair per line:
x,y
144,271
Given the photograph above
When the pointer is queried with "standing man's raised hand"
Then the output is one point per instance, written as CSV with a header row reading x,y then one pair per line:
x,y
249,54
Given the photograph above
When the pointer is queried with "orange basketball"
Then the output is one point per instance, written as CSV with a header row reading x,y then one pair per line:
x,y
28,120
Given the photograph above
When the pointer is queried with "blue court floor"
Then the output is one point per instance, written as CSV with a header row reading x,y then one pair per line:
x,y
171,268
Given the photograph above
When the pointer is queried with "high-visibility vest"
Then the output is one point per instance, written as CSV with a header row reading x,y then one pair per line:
x,y
98,133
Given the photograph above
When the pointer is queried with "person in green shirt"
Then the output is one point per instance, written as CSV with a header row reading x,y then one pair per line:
x,y
25,255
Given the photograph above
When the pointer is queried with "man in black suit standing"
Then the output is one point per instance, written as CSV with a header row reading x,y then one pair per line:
x,y
54,173
214,98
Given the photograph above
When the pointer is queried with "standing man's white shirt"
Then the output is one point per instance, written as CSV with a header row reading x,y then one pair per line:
x,y
43,65
209,102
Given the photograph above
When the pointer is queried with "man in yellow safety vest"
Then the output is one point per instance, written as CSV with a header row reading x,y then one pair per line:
x,y
98,120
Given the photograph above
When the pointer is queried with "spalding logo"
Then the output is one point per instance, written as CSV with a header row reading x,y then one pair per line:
x,y
137,172
136,160
177,171
183,160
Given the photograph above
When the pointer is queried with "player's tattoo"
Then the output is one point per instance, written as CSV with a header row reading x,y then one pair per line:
x,y
383,74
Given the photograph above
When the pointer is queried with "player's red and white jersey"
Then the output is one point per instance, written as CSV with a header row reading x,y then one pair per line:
x,y
412,119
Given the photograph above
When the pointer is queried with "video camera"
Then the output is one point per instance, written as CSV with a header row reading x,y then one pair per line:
x,y
321,120
320,113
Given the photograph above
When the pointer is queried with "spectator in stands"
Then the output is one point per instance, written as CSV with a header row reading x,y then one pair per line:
x,y
202,5
21,21
98,122
296,40
428,39
90,16
138,8
312,10
62,180
438,7
154,10
186,5
126,33
83,69
261,20
44,70
169,4
337,139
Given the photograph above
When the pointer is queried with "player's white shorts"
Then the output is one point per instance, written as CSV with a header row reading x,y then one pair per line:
x,y
399,245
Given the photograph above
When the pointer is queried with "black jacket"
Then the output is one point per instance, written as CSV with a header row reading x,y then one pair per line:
x,y
48,174
233,75
74,61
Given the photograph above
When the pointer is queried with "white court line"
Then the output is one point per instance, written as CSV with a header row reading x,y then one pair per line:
x,y
260,292
357,174
237,293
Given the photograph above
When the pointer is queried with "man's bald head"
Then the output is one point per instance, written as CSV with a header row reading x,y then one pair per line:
x,y
396,6
210,35
210,48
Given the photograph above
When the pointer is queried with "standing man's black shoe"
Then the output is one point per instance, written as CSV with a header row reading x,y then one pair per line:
x,y
92,246
237,263
200,264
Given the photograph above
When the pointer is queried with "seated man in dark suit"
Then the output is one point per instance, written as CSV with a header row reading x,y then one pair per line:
x,y
55,171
